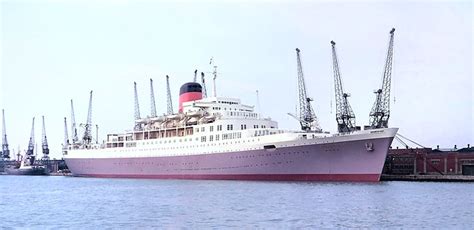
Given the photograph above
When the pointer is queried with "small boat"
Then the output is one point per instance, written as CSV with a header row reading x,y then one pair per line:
x,y
27,167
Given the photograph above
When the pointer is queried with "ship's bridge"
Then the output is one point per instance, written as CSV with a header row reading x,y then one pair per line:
x,y
222,107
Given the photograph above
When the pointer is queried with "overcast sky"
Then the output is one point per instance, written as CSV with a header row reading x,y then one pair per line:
x,y
54,51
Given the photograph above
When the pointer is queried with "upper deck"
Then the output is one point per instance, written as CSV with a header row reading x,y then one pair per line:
x,y
208,119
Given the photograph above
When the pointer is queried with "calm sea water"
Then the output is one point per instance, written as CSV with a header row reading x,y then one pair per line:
x,y
68,202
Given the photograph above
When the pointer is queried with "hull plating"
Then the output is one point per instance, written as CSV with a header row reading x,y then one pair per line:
x,y
345,161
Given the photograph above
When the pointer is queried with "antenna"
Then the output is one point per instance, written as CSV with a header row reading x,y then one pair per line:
x,y
152,99
195,75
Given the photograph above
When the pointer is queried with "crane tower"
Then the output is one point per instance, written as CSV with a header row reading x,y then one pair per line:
x,y
380,112
44,143
137,108
306,115
152,99
344,115
5,149
87,138
66,139
168,96
74,136
31,142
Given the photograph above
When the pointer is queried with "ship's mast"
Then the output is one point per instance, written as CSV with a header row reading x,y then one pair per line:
x,y
5,149
195,75
152,100
307,117
345,117
44,143
203,83
380,112
214,78
168,96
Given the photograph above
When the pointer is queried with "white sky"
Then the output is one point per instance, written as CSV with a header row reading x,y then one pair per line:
x,y
54,51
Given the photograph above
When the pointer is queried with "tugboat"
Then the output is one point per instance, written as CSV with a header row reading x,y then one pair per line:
x,y
28,166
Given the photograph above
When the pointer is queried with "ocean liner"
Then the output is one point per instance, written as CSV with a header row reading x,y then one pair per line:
x,y
221,138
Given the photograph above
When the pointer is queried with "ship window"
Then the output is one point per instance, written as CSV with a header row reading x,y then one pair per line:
x,y
203,129
217,137
203,139
211,138
211,128
255,126
230,127
197,130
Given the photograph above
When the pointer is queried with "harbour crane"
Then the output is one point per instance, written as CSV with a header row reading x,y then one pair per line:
x,y
204,90
380,112
74,136
168,96
152,100
344,115
87,138
5,149
31,142
306,115
137,108
66,138
44,143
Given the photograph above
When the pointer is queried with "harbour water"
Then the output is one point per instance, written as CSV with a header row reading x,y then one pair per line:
x,y
69,202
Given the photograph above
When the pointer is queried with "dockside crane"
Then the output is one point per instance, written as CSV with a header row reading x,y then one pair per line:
x,y
345,117
380,112
74,136
66,137
5,149
31,143
137,108
306,115
44,143
168,96
152,100
87,138
203,83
